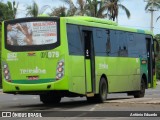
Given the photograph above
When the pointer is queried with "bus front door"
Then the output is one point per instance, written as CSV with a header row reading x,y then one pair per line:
x,y
149,60
89,61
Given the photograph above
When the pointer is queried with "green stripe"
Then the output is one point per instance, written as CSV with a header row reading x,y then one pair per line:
x,y
140,31
33,81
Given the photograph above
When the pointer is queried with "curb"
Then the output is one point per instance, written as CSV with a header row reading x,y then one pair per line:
x,y
1,90
158,82
137,101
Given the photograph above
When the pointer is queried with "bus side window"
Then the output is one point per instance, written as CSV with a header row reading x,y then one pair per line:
x,y
74,40
132,52
99,38
108,43
123,46
114,43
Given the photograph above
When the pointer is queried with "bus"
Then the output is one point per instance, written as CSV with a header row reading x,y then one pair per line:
x,y
56,57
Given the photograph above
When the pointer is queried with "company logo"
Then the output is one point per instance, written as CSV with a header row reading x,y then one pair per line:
x,y
103,66
6,114
12,57
21,114
33,71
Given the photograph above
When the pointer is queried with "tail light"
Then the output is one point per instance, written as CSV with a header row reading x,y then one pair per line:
x,y
6,72
60,70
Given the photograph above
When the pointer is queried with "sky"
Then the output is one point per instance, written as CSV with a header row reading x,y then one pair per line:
x,y
139,17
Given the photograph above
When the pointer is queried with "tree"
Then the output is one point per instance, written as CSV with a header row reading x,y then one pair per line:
x,y
97,8
72,10
8,10
158,59
105,8
13,8
113,9
153,4
32,10
81,8
93,8
59,12
3,12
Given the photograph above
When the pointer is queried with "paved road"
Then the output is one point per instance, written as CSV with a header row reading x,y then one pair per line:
x,y
115,102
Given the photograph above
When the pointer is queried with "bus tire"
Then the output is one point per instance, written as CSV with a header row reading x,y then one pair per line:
x,y
103,90
140,93
102,95
50,98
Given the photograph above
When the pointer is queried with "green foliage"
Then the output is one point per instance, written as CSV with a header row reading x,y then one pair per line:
x,y
158,59
153,4
5,12
59,12
113,9
32,10
8,10
93,8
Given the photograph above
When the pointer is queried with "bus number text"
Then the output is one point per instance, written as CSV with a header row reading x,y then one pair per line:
x,y
54,54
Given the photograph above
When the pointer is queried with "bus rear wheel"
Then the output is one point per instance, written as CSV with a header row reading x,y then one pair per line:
x,y
140,93
50,98
102,95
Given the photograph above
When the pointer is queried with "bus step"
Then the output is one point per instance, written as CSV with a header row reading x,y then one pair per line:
x,y
90,94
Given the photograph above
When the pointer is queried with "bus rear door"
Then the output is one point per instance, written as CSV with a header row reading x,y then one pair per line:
x,y
149,60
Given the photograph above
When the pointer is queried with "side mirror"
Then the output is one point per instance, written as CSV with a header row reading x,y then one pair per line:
x,y
156,47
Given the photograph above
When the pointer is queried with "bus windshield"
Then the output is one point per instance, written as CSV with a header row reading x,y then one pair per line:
x,y
32,33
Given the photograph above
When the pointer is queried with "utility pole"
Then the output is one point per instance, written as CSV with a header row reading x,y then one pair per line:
x,y
151,9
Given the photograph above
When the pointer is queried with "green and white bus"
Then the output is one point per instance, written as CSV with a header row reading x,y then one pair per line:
x,y
76,56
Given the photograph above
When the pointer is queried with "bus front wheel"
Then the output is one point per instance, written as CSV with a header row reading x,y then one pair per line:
x,y
50,98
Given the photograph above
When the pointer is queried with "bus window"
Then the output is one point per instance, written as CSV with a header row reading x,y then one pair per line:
x,y
23,35
100,40
74,40
123,47
108,44
31,33
114,43
156,47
